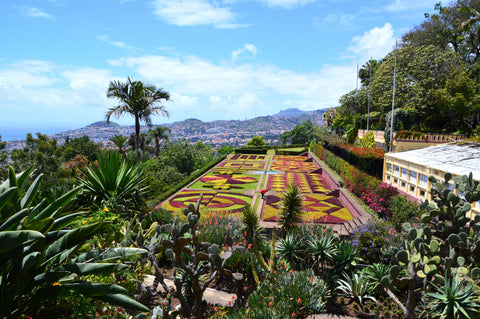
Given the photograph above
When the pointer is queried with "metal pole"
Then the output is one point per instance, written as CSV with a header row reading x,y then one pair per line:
x,y
393,98
369,83
356,97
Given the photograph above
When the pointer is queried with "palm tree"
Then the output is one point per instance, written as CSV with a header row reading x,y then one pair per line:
x,y
139,100
120,141
159,133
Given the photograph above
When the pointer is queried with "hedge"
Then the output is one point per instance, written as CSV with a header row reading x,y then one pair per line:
x,y
368,160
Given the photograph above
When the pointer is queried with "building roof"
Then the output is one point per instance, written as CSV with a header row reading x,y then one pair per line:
x,y
459,158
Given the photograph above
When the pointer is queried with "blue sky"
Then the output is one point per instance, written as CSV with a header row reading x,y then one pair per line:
x,y
219,59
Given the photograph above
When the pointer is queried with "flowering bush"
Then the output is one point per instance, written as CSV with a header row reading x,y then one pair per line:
x,y
373,239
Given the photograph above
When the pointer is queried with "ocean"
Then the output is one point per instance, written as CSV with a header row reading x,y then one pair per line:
x,y
9,133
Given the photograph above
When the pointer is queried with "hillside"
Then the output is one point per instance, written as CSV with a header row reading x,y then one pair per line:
x,y
215,133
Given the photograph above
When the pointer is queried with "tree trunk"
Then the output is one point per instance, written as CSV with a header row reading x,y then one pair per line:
x,y
137,137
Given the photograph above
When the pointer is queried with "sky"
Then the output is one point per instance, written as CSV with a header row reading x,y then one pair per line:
x,y
218,59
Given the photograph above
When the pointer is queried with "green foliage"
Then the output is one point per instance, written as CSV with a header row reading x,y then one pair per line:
x,y
455,299
402,210
373,239
368,140
301,134
120,142
257,141
159,134
195,264
139,100
424,69
292,205
114,183
355,287
159,176
38,252
82,145
352,135
289,294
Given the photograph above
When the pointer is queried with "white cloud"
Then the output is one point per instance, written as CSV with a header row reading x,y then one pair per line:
x,y
287,4
409,5
194,12
47,92
118,44
247,47
231,87
34,12
376,43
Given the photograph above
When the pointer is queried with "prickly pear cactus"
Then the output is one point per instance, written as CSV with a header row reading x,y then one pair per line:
x,y
446,244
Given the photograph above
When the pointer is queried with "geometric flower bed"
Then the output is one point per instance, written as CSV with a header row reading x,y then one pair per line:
x,y
241,166
248,157
212,200
308,183
227,181
293,166
318,208
289,158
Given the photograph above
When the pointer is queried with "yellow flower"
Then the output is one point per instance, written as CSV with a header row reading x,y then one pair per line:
x,y
106,209
84,222
56,283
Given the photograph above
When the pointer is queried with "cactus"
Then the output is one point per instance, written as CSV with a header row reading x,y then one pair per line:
x,y
195,264
446,245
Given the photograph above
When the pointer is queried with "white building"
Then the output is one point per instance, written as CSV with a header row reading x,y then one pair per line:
x,y
409,171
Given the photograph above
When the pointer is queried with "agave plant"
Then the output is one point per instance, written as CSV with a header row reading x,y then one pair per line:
x,y
323,249
355,287
456,299
292,248
37,251
345,257
374,274
113,182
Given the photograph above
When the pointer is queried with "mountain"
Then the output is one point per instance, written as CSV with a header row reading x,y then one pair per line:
x,y
290,112
216,133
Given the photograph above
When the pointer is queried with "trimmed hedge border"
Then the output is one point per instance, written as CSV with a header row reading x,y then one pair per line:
x,y
175,188
371,166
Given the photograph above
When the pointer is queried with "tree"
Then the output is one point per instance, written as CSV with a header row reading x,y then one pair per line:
x,y
257,141
454,27
420,72
120,141
82,145
159,133
140,101
301,134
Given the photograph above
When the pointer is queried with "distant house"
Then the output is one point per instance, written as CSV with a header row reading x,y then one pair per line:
x,y
409,171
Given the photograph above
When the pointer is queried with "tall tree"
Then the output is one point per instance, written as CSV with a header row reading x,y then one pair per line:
x,y
421,72
454,27
159,133
140,101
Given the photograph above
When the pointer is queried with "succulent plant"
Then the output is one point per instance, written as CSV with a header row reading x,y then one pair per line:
x,y
195,263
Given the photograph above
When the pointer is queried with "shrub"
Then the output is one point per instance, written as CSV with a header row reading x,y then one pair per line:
x,y
402,210
287,294
372,239
368,141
